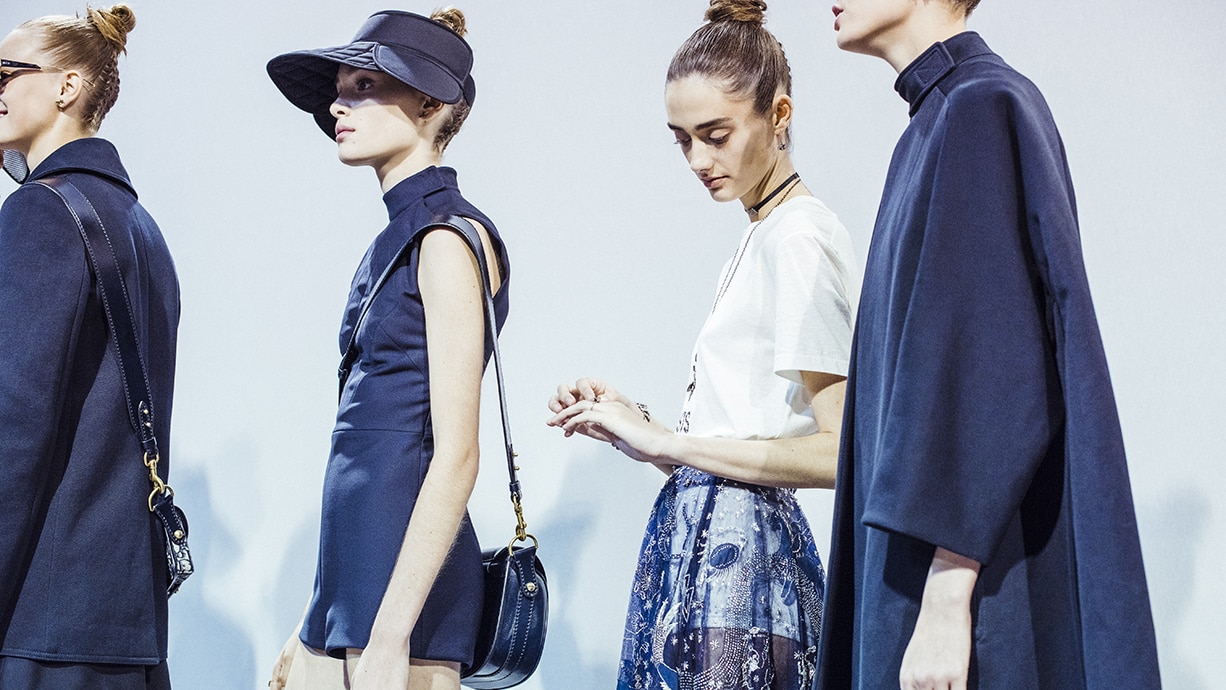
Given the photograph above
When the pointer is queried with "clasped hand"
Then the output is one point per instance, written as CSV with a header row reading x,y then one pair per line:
x,y
595,409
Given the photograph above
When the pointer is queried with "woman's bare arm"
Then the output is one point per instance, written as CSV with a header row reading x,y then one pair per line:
x,y
455,325
596,410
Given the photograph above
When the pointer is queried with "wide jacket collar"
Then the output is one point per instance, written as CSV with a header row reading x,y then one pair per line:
x,y
925,71
91,155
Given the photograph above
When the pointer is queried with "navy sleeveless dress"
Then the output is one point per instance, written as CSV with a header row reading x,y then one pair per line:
x,y
382,445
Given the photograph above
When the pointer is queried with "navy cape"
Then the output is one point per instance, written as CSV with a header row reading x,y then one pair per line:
x,y
980,416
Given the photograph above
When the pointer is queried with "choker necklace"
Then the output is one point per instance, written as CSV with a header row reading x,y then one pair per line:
x,y
753,210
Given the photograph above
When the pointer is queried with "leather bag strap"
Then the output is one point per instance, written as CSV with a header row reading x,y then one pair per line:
x,y
120,320
470,234
466,230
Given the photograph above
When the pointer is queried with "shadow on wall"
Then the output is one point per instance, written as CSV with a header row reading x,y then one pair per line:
x,y
1179,524
590,560
207,650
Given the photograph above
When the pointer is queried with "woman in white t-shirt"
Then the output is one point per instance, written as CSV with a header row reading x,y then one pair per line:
x,y
729,586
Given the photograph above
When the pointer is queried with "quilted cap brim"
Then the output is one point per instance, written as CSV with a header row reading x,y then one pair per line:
x,y
401,44
307,78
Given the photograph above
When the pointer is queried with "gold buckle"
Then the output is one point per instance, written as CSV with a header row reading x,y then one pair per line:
x,y
521,527
159,486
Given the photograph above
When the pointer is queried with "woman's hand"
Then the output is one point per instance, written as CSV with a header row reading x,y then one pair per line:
x,y
939,652
381,666
938,655
593,408
587,390
280,670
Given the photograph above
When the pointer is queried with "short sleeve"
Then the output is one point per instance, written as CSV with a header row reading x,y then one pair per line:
x,y
807,265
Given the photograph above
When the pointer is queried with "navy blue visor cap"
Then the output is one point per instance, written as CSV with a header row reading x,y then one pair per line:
x,y
414,49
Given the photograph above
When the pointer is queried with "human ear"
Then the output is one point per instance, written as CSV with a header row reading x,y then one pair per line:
x,y
72,86
430,107
781,117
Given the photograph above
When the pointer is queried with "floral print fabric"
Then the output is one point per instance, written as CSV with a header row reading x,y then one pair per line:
x,y
727,593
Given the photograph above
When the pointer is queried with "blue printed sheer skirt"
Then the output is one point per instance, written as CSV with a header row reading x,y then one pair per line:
x,y
728,590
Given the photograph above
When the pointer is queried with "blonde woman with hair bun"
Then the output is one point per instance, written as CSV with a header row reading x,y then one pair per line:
x,y
398,590
729,585
83,576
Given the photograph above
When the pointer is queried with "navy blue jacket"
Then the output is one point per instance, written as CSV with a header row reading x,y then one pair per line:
x,y
980,415
82,565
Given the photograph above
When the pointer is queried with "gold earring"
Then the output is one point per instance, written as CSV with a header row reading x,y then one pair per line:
x,y
59,103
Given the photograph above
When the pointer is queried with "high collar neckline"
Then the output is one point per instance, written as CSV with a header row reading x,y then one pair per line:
x,y
916,81
410,190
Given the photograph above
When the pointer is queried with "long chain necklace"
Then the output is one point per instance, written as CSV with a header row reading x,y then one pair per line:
x,y
792,181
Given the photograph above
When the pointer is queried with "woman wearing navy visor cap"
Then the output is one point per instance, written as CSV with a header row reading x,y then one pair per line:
x,y
398,590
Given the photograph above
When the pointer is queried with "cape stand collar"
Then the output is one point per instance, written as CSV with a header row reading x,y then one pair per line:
x,y
919,78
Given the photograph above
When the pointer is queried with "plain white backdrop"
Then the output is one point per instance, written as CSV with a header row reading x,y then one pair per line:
x,y
615,251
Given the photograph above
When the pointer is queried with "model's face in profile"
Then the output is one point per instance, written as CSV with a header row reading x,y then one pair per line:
x,y
27,95
376,118
871,27
729,147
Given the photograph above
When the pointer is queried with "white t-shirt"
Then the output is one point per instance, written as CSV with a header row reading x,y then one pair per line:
x,y
784,304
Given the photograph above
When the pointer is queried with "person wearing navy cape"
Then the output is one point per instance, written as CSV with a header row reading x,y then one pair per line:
x,y
984,532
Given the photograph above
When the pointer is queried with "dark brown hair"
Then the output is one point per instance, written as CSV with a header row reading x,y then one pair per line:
x,y
453,19
734,48
91,46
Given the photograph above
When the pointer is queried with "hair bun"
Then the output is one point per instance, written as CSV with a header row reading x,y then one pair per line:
x,y
451,18
752,11
114,23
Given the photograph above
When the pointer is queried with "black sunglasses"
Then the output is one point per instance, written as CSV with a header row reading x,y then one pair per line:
x,y
19,65
17,69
